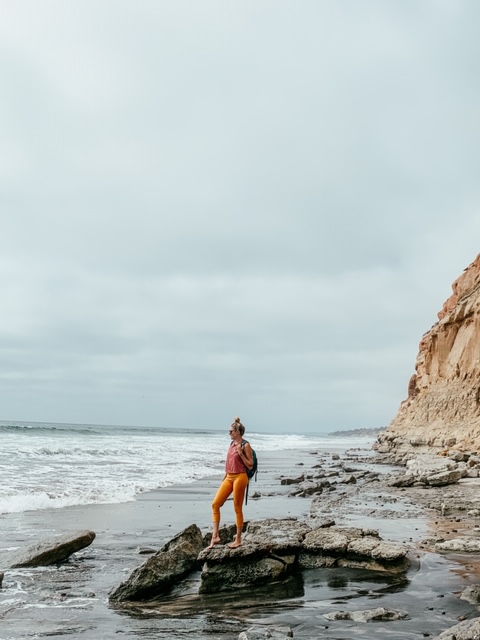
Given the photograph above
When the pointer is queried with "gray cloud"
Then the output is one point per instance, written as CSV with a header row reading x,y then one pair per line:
x,y
211,209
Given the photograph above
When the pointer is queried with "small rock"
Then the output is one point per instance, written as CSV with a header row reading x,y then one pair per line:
x,y
368,615
258,632
458,456
288,481
471,594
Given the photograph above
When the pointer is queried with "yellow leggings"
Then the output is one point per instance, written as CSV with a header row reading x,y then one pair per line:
x,y
236,483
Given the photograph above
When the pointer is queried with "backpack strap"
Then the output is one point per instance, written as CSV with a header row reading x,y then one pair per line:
x,y
244,442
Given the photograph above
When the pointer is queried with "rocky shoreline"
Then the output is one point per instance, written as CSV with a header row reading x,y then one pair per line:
x,y
447,485
344,495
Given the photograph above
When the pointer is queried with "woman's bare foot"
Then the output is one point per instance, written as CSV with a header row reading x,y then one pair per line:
x,y
214,542
235,545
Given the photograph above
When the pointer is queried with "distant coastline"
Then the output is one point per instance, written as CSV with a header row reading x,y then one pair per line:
x,y
358,432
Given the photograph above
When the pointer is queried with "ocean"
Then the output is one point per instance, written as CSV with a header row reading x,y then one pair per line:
x,y
52,466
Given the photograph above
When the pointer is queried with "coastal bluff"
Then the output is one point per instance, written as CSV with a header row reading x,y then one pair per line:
x,y
442,410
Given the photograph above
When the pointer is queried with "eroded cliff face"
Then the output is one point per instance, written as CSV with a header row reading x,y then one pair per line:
x,y
443,405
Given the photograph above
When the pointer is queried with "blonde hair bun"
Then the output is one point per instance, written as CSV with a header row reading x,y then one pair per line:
x,y
238,426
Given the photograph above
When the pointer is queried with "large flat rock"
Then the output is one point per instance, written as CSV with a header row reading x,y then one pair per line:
x,y
53,551
274,548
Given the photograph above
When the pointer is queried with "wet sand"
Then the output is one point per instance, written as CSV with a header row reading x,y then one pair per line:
x,y
72,600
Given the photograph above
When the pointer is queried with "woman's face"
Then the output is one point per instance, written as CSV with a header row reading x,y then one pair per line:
x,y
233,433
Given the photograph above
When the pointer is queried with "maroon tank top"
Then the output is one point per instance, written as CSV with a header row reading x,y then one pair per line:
x,y
234,462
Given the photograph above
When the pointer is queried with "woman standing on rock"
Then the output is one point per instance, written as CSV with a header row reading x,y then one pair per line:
x,y
239,459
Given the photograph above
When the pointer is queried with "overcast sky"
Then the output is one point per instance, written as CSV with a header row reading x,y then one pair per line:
x,y
220,208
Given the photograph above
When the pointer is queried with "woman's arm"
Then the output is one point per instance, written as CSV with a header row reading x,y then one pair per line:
x,y
246,455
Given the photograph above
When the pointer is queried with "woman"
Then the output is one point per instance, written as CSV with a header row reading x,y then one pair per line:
x,y
239,458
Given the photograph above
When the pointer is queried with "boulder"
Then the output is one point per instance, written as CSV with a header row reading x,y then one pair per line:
x,y
428,464
309,488
348,469
269,552
319,522
161,571
466,630
459,456
352,548
243,567
1,578
368,615
53,551
471,594
430,470
402,480
445,477
459,545
434,470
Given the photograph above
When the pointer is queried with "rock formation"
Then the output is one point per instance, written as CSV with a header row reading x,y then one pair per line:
x,y
272,550
442,409
163,570
59,549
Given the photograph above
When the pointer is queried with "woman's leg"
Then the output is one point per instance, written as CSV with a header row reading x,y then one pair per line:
x,y
223,492
239,488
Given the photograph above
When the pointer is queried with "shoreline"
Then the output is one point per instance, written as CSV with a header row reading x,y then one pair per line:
x,y
156,516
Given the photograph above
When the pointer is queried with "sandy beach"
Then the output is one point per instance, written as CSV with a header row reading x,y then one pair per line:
x,y
72,599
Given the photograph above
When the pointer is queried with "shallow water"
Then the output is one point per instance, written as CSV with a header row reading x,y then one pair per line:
x,y
62,605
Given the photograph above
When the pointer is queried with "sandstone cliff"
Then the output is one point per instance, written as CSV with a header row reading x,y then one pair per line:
x,y
443,405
